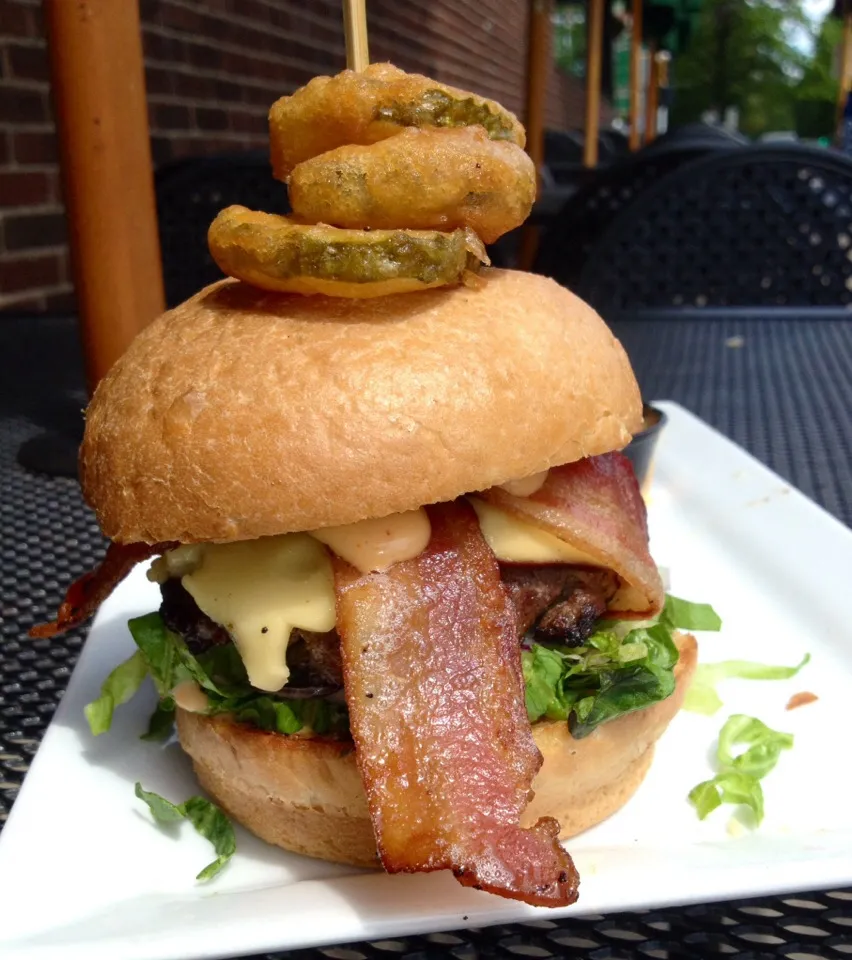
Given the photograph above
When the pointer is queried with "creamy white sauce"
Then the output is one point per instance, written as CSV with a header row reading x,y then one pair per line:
x,y
371,545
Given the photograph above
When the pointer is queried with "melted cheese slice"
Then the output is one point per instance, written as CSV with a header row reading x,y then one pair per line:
x,y
372,545
259,590
514,541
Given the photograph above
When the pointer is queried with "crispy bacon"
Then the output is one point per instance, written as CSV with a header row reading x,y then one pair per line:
x,y
85,595
595,505
432,674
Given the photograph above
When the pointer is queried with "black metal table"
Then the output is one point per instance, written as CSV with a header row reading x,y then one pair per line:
x,y
780,388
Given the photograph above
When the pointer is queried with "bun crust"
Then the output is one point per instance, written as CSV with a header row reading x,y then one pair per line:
x,y
242,414
305,795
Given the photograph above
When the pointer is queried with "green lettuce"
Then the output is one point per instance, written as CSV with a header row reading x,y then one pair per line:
x,y
118,688
207,819
702,696
220,672
621,668
738,780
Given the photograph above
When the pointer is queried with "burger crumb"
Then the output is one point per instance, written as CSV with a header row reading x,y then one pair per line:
x,y
801,699
369,696
465,917
264,629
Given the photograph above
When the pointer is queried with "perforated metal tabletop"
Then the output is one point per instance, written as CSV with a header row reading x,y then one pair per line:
x,y
780,388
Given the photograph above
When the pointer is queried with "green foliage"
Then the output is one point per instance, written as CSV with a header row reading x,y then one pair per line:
x,y
742,54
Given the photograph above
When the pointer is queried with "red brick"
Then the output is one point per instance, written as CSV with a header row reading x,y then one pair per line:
x,y
211,119
26,273
34,146
24,188
62,303
242,121
194,86
158,81
180,18
24,231
15,20
28,62
169,116
22,104
5,148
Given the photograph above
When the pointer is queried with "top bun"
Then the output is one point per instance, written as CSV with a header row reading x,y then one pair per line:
x,y
241,413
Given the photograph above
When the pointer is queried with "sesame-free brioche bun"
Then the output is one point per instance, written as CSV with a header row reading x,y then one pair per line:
x,y
305,795
243,413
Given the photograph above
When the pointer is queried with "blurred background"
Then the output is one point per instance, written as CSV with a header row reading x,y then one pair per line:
x,y
766,70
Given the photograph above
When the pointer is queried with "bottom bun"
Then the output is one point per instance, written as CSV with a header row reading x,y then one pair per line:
x,y
305,794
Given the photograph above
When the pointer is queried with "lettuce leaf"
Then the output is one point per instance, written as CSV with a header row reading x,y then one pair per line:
x,y
702,696
684,615
738,781
764,746
207,819
220,672
611,675
728,787
118,688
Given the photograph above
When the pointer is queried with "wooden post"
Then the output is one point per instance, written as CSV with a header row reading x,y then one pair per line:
x,y
652,98
635,75
538,70
355,32
98,87
594,55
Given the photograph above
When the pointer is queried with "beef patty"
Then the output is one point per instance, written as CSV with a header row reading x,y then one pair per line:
x,y
553,604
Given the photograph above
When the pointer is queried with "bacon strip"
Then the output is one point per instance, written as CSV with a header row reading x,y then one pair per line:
x,y
85,595
432,673
595,505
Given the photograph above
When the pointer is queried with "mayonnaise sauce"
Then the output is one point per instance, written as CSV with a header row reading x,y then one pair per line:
x,y
372,545
526,486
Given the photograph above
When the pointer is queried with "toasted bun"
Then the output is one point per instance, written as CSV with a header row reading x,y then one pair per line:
x,y
305,795
242,413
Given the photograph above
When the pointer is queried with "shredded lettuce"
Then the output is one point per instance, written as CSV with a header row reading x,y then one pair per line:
x,y
118,688
220,672
624,666
685,615
738,780
207,819
702,696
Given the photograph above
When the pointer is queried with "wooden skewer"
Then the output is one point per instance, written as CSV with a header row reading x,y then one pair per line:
x,y
652,99
355,30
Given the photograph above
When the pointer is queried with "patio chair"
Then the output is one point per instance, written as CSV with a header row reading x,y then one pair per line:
x,y
189,194
761,226
584,218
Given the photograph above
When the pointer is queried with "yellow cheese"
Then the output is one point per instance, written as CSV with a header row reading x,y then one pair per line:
x,y
259,590
514,541
175,563
371,545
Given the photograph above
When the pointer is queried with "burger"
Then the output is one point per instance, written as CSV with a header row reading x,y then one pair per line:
x,y
408,615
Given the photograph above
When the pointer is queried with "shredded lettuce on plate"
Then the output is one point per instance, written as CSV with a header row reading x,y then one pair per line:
x,y
740,773
207,819
702,696
622,667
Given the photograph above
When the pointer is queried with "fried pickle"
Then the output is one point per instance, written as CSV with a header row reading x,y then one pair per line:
x,y
423,179
276,253
368,106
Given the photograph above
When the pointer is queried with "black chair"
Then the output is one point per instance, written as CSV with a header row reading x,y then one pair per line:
x,y
587,214
697,134
767,226
189,194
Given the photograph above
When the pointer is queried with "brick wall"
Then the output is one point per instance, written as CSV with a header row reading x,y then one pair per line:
x,y
213,67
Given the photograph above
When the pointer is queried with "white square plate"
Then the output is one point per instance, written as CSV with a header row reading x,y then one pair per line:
x,y
85,874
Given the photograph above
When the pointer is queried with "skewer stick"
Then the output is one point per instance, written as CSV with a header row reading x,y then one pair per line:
x,y
355,30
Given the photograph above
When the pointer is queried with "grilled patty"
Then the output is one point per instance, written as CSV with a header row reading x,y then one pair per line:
x,y
553,604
